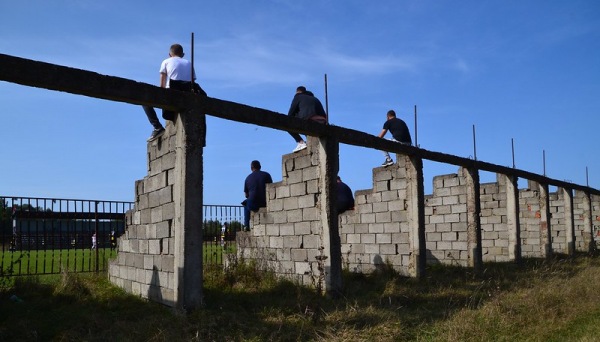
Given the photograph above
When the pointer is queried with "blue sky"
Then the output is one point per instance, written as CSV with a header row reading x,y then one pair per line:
x,y
522,70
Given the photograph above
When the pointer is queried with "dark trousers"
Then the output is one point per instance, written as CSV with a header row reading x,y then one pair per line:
x,y
151,114
182,86
317,118
249,206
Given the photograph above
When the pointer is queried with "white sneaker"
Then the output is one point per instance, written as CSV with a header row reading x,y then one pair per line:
x,y
300,147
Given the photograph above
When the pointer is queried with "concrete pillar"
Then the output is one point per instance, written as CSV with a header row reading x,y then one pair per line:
x,y
512,214
545,226
588,226
471,176
415,197
569,220
331,257
187,195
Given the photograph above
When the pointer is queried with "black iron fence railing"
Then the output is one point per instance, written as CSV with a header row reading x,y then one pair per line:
x,y
51,235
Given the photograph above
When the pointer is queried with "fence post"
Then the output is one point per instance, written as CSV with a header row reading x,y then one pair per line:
x,y
96,224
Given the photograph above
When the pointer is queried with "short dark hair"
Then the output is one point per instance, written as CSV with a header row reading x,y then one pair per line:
x,y
391,113
177,50
301,89
255,165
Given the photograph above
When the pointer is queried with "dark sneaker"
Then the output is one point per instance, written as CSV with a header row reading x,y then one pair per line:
x,y
156,133
388,162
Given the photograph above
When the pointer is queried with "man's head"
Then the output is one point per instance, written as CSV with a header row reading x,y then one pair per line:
x,y
339,180
300,90
391,114
255,165
176,50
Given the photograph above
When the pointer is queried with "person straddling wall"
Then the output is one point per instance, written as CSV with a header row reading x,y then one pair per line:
x,y
400,133
175,73
307,107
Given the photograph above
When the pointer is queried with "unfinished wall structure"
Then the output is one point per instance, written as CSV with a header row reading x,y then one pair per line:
x,y
145,264
293,235
512,223
160,253
299,234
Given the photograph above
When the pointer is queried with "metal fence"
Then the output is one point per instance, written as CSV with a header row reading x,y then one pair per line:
x,y
51,235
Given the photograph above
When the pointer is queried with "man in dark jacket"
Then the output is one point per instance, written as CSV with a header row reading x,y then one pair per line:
x,y
400,133
255,191
345,198
305,106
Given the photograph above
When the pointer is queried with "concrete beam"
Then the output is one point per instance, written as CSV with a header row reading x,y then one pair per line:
x,y
55,77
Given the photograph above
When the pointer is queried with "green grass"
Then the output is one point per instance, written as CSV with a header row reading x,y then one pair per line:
x,y
54,261
37,262
536,301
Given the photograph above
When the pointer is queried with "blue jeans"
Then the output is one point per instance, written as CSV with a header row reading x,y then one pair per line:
x,y
249,206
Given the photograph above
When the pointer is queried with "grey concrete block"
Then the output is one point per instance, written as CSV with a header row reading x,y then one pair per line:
x,y
294,215
290,203
283,191
302,228
310,173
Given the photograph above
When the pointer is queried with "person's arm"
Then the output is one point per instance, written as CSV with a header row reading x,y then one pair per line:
x,y
383,132
163,80
294,106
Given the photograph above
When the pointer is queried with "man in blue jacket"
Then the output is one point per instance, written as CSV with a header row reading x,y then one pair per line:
x,y
255,191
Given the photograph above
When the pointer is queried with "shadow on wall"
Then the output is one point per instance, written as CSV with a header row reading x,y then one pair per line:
x,y
154,288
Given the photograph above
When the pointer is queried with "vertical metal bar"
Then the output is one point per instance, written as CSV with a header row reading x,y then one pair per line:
x,y
28,235
544,161
192,60
416,128
45,238
512,142
474,145
587,180
326,101
96,221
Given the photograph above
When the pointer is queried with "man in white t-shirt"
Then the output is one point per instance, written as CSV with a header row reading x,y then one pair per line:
x,y
175,73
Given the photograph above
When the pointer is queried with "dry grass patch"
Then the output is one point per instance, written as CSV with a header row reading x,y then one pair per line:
x,y
536,301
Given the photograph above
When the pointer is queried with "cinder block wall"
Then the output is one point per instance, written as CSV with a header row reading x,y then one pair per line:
x,y
530,220
446,221
376,232
286,236
494,228
583,235
557,222
145,262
